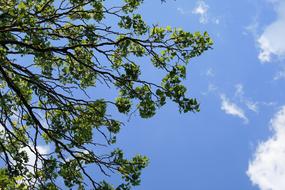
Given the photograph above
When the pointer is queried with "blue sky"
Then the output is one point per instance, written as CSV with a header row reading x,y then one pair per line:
x,y
237,141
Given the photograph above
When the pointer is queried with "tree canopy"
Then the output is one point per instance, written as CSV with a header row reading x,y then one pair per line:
x,y
53,53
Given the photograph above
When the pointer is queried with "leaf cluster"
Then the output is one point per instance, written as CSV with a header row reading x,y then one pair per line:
x,y
52,54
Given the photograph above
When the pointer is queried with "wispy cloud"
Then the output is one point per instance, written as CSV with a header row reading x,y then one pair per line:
x,y
201,9
239,90
182,11
253,27
210,72
253,106
232,109
280,74
239,93
212,89
267,169
271,41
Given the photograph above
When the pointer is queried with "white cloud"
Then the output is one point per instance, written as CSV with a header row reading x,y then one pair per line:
x,y
232,109
201,9
267,169
271,41
42,149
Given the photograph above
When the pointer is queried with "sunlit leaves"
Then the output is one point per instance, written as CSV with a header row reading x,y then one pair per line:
x,y
70,173
53,54
130,169
131,5
136,23
123,104
8,182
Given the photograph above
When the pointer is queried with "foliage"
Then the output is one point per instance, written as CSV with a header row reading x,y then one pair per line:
x,y
53,52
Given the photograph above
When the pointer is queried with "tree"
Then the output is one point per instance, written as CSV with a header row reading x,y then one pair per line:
x,y
53,52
